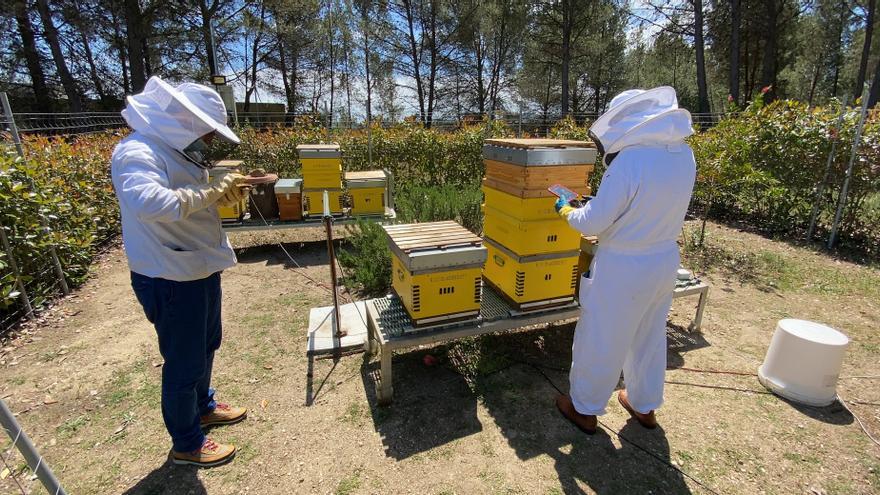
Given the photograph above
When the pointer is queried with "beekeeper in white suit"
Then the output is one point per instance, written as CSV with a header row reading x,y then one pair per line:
x,y
176,250
637,215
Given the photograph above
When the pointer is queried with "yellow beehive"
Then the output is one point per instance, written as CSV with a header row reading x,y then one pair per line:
x,y
532,281
367,191
321,165
322,180
313,201
530,237
236,211
436,271
522,208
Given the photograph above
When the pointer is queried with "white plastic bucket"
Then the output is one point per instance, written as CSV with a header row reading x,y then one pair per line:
x,y
803,362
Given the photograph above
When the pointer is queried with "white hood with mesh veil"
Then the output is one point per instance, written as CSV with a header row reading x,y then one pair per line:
x,y
642,117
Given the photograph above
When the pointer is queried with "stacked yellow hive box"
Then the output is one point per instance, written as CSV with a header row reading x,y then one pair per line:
x,y
235,212
321,171
436,271
533,253
367,191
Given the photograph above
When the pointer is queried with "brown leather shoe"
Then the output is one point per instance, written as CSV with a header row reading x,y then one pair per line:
x,y
649,421
586,423
210,454
223,414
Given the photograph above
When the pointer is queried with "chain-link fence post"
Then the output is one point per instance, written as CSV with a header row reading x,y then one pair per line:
x,y
10,119
7,112
28,451
14,266
849,169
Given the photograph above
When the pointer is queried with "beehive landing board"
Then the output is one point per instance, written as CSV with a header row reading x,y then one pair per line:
x,y
321,338
436,235
540,143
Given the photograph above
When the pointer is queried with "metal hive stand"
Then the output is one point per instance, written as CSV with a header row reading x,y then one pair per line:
x,y
390,329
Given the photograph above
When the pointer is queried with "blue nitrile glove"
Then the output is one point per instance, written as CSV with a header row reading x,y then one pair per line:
x,y
565,208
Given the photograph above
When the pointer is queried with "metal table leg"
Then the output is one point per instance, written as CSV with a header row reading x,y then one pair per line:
x,y
384,388
701,305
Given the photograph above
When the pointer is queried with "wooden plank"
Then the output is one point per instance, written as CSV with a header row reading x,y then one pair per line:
x,y
315,147
439,241
431,243
540,143
407,226
541,192
438,232
367,174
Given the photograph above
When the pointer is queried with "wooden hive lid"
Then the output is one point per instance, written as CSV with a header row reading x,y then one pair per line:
x,y
430,235
366,175
540,143
316,147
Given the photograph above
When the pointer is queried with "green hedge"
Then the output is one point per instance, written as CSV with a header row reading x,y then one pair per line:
x,y
761,166
764,165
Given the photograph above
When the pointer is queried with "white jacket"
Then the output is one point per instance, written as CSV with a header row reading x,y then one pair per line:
x,y
645,192
159,241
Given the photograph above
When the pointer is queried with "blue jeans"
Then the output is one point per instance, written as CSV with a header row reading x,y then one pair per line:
x,y
187,320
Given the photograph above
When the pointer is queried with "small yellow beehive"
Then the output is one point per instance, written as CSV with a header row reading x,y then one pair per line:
x,y
436,271
313,202
321,166
367,191
235,212
530,282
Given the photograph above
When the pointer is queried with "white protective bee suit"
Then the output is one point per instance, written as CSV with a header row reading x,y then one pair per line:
x,y
170,224
637,214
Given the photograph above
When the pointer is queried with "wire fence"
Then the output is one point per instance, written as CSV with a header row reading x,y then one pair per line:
x,y
533,124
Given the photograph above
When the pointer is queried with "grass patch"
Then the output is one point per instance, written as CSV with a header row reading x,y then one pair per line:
x,y
349,484
71,426
778,271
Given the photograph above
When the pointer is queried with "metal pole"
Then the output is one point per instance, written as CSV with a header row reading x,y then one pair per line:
x,y
14,266
27,449
7,110
331,254
821,189
849,169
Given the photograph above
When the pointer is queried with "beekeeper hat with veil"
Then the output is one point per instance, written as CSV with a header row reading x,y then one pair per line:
x,y
643,117
180,117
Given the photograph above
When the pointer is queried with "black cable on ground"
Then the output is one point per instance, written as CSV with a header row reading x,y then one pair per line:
x,y
623,438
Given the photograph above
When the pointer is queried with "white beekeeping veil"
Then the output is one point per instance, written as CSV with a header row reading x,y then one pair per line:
x,y
638,116
178,116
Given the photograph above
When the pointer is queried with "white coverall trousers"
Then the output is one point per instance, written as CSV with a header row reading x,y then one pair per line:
x,y
624,304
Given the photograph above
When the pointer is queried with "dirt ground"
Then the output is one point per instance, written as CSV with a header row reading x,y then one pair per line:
x,y
84,383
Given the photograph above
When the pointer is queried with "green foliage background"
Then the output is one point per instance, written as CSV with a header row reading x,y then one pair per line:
x,y
760,166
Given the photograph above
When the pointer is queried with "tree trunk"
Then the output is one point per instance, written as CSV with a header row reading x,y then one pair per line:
x,y
93,69
32,57
51,35
332,48
771,38
208,17
416,60
282,66
566,53
365,22
875,88
134,33
702,91
432,75
866,48
735,25
813,85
